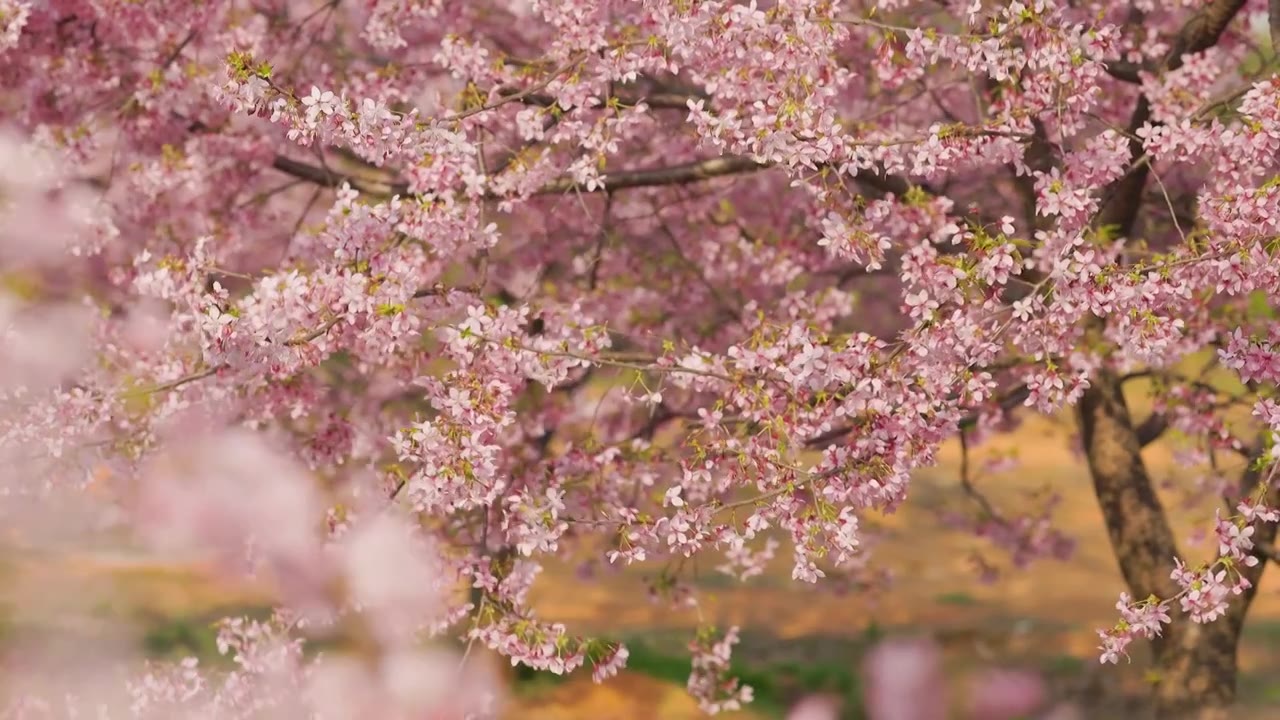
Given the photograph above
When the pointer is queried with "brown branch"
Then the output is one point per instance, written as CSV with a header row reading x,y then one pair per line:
x,y
322,330
323,178
674,175
1273,22
1011,400
1123,70
396,491
1039,158
1152,428
886,183
655,100
1136,522
1201,32
1265,550
602,237
174,384
508,95
683,174
177,50
966,483
1198,663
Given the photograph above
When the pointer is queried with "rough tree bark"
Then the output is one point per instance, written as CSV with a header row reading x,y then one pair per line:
x,y
1195,665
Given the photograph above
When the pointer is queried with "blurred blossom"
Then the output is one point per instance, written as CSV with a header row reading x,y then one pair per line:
x,y
816,708
26,167
1006,695
60,648
389,575
146,327
42,215
1065,711
41,345
404,686
904,681
224,494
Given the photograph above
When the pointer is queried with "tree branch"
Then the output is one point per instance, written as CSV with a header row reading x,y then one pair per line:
x,y
1038,158
1136,523
1273,22
324,178
1123,70
1265,550
1201,32
658,100
966,483
1152,428
653,177
1015,397
674,175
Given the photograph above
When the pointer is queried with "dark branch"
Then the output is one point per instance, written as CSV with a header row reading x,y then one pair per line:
x,y
325,178
674,175
1201,32
697,171
966,484
1039,158
1136,521
657,100
1267,551
1015,397
1273,21
1123,70
1152,428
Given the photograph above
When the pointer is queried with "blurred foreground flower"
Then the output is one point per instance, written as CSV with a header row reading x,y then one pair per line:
x,y
371,595
905,681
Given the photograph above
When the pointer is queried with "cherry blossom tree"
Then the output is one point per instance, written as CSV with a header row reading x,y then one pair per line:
x,y
378,300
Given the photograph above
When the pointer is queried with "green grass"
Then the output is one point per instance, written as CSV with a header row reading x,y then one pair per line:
x,y
1268,629
776,685
1064,665
182,638
173,638
717,581
962,599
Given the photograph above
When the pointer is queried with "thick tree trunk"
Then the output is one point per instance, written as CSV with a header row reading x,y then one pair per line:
x,y
1195,669
1194,665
